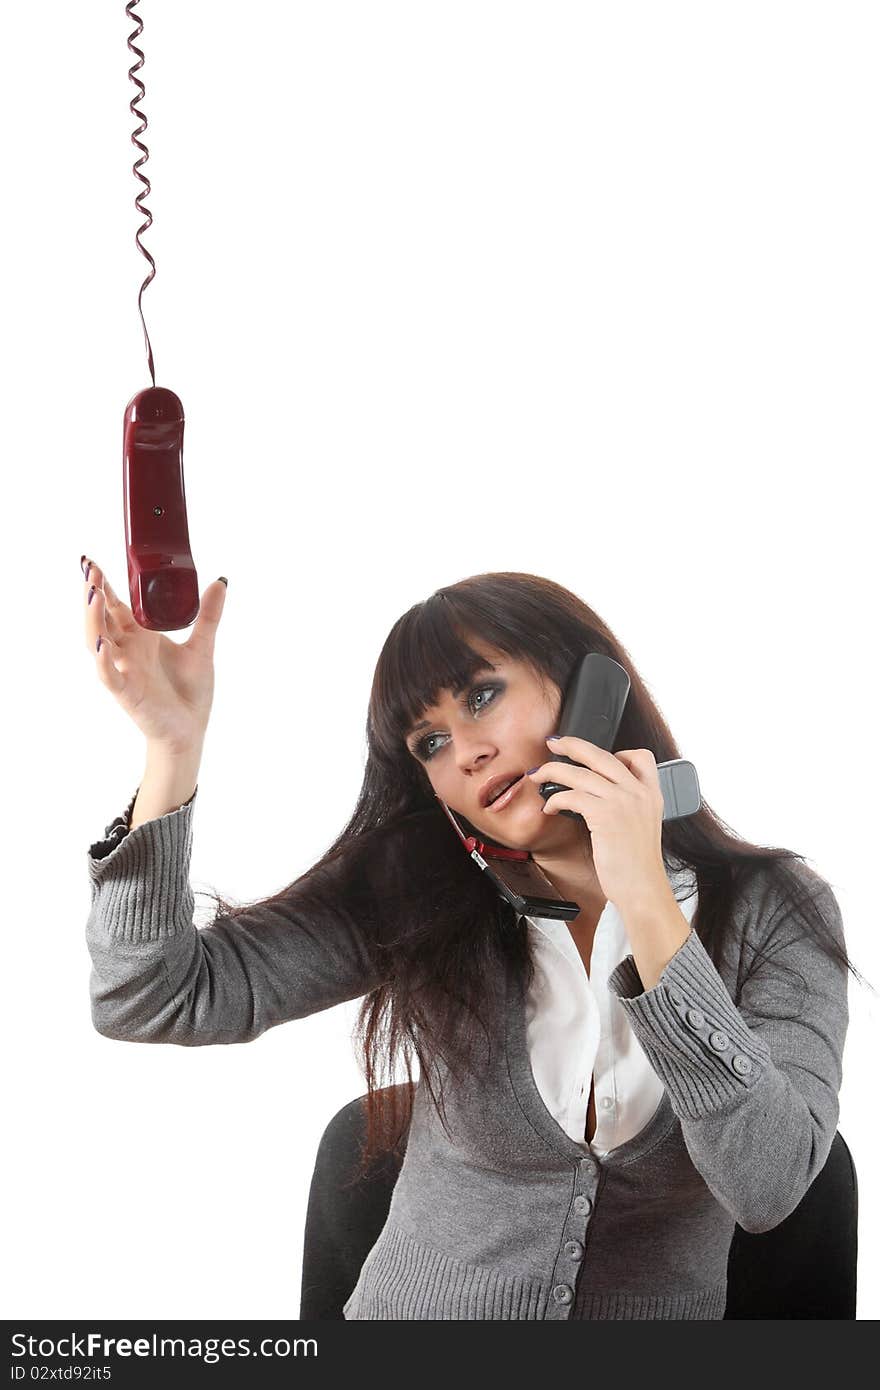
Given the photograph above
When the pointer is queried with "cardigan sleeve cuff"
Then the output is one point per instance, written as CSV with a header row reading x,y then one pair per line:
x,y
114,833
142,875
691,1031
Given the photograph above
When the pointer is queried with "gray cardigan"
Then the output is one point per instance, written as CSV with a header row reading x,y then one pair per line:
x,y
509,1217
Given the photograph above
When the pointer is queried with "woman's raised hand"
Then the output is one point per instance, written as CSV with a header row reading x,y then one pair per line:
x,y
166,687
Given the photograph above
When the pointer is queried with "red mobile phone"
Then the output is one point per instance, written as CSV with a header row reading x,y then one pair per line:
x,y
514,873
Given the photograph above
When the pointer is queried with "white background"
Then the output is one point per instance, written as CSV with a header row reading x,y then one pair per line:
x,y
585,290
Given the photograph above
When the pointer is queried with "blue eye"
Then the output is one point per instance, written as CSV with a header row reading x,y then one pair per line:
x,y
422,750
482,690
425,753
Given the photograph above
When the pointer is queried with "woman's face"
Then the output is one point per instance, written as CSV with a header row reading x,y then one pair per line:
x,y
491,731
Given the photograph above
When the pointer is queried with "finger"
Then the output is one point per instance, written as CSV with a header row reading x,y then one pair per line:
x,y
119,612
581,802
113,679
208,619
582,751
571,774
98,619
642,764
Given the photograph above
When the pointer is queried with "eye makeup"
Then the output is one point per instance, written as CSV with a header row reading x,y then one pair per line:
x,y
493,688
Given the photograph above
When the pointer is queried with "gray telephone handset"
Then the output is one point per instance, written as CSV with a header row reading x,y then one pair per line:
x,y
592,710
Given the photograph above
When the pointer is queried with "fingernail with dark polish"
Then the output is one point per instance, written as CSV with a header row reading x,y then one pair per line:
x,y
224,580
98,644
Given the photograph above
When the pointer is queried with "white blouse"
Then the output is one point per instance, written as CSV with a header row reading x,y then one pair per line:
x,y
576,1028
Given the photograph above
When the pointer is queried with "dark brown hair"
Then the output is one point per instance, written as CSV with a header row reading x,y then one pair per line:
x,y
433,924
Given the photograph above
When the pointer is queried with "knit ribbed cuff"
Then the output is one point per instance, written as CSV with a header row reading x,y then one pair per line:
x,y
691,1031
119,827
143,878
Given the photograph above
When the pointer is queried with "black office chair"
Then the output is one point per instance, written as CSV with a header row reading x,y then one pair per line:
x,y
803,1268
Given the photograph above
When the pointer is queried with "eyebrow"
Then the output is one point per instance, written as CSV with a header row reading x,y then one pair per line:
x,y
456,690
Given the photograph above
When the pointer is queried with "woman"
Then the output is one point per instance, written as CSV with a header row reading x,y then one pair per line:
x,y
701,993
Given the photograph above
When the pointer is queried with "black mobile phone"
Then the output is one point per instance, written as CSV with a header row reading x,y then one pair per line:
x,y
514,873
592,709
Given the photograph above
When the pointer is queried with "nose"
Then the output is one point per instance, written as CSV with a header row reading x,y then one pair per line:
x,y
472,750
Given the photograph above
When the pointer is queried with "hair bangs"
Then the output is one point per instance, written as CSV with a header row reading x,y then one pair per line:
x,y
426,652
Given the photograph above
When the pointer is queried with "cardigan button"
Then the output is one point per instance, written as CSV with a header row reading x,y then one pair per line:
x,y
676,995
574,1249
582,1205
741,1064
720,1041
695,1018
563,1293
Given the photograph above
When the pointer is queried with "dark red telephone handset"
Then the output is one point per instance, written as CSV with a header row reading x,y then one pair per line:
x,y
162,579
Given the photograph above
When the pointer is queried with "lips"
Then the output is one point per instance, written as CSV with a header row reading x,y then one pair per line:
x,y
494,785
